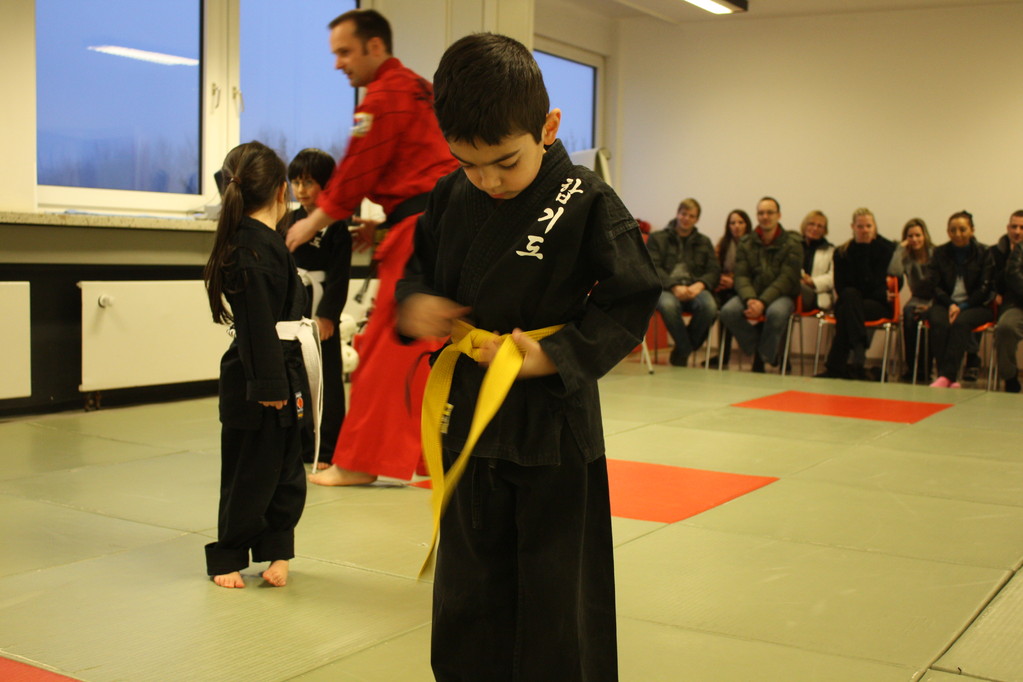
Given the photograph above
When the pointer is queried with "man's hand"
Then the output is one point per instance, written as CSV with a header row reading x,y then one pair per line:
x,y
306,229
726,282
276,404
682,292
363,233
426,315
754,309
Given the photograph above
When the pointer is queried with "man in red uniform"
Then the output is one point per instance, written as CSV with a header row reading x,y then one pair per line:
x,y
395,156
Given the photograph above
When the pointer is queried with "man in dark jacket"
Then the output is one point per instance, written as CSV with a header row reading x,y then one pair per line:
x,y
689,271
767,265
1007,261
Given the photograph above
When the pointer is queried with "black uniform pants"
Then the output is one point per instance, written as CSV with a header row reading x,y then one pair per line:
x,y
852,312
262,493
333,414
524,586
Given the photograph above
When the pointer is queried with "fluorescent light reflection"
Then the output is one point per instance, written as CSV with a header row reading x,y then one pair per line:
x,y
711,6
145,55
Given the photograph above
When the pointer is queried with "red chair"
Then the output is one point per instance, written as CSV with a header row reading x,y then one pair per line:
x,y
886,323
797,316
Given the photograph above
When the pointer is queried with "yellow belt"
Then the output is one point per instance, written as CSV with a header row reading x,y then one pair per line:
x,y
498,380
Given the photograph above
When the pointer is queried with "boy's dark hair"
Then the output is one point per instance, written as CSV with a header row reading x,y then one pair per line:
x,y
488,87
314,163
368,24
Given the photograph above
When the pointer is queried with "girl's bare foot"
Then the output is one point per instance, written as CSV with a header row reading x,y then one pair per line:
x,y
320,466
277,574
233,579
335,475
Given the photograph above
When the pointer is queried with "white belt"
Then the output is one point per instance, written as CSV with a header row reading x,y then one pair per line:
x,y
306,332
314,279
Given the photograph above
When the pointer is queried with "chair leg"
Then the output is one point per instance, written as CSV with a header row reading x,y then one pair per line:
x,y
645,356
722,340
884,353
992,359
817,351
788,344
916,365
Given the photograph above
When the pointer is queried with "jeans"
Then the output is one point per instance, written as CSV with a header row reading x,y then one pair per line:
x,y
704,310
752,338
1007,337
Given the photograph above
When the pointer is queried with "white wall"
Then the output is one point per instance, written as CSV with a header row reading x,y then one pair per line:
x,y
907,112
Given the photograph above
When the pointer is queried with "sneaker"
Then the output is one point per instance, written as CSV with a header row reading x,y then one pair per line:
x,y
955,384
1012,385
941,382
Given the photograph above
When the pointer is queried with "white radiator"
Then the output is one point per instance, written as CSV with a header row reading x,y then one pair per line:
x,y
148,333
15,340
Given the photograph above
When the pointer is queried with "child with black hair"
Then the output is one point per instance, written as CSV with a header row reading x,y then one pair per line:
x,y
263,379
522,239
325,266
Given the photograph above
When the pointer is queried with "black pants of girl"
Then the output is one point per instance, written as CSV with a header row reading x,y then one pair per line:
x,y
524,586
949,342
262,493
852,312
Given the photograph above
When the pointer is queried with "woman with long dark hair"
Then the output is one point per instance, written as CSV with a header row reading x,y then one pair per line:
x,y
252,282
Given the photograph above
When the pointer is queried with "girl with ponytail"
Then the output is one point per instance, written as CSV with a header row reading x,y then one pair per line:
x,y
252,284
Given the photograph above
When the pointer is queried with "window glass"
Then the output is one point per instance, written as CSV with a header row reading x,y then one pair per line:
x,y
117,88
293,97
572,88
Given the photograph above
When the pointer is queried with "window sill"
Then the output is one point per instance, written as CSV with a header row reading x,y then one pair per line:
x,y
107,221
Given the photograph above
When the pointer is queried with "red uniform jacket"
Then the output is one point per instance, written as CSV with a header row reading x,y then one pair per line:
x,y
396,150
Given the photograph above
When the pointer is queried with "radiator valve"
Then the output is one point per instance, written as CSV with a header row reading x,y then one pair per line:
x,y
105,301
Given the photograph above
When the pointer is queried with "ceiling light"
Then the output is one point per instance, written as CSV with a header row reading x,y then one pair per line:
x,y
721,6
144,55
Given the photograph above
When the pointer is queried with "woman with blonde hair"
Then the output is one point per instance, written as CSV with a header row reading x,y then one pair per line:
x,y
816,279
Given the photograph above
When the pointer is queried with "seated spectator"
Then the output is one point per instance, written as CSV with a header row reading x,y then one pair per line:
x,y
688,270
909,262
861,288
1007,263
816,278
960,274
767,266
737,226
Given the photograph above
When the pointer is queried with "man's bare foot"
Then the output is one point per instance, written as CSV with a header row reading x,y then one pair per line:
x,y
335,475
277,574
233,579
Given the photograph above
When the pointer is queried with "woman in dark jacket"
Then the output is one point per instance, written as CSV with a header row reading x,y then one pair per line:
x,y
960,274
861,284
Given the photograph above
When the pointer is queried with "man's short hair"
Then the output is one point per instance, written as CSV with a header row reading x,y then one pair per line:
x,y
368,24
314,163
692,205
488,87
1017,214
777,206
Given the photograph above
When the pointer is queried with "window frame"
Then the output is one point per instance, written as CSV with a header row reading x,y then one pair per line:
x,y
582,56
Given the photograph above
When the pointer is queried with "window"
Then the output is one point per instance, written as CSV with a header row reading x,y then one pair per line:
x,y
572,87
117,102
138,102
293,97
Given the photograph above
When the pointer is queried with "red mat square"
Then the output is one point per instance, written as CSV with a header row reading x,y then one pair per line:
x,y
657,492
666,494
13,671
876,409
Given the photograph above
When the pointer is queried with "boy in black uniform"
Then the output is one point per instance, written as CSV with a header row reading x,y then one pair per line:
x,y
325,265
521,239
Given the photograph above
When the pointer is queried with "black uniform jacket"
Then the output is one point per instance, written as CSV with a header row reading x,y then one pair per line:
x,y
564,251
262,288
330,250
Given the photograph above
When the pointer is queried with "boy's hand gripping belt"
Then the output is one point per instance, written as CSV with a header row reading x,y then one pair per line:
x,y
307,333
497,381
